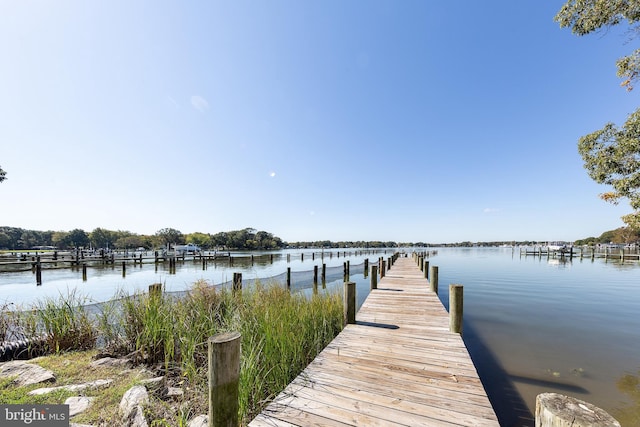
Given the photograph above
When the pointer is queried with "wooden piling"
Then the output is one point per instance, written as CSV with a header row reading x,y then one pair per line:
x,y
382,268
315,276
38,273
124,268
433,281
455,308
155,289
556,410
288,277
84,272
324,274
224,377
237,282
349,303
374,277
426,270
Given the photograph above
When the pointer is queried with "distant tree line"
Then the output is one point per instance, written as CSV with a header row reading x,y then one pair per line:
x,y
245,239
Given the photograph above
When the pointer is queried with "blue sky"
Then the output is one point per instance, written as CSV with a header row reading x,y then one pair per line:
x,y
358,120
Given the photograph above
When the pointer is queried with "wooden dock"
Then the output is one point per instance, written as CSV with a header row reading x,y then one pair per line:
x,y
398,365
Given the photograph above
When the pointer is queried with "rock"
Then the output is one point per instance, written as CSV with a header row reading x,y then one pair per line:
x,y
133,397
199,421
173,392
78,404
153,381
131,406
110,362
72,387
136,418
25,373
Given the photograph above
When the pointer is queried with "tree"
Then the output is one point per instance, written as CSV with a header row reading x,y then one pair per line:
x,y
201,239
611,155
168,236
101,238
78,238
3,174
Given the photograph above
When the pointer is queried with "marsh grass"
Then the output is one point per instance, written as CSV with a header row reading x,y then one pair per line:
x,y
281,334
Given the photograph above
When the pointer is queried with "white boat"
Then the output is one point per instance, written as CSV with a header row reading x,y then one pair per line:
x,y
558,246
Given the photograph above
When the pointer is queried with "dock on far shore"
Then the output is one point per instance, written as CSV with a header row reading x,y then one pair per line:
x,y
399,364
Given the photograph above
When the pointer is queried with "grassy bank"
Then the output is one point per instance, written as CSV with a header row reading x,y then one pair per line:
x,y
281,334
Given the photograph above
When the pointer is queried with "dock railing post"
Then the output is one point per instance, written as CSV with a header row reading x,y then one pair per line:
x,y
289,278
433,280
374,277
426,270
224,377
349,303
455,308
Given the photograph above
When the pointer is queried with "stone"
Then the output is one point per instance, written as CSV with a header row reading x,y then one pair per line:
x,y
110,362
199,421
25,373
78,404
72,387
136,395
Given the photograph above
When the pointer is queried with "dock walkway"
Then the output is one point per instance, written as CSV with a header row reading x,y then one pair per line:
x,y
398,365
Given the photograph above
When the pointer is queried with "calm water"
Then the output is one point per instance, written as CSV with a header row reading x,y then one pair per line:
x,y
532,325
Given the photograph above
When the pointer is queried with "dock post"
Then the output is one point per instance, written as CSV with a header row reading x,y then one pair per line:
x,y
315,277
224,377
374,277
289,278
382,268
426,270
84,271
433,282
323,277
556,410
349,303
155,289
237,282
124,268
38,272
455,308
366,267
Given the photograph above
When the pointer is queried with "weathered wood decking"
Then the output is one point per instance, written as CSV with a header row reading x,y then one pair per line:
x,y
399,365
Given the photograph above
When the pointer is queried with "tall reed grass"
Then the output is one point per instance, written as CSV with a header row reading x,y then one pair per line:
x,y
281,333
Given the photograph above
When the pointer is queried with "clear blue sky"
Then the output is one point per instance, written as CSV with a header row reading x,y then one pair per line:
x,y
341,120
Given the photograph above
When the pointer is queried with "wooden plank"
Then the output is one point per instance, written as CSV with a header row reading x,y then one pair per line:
x,y
398,365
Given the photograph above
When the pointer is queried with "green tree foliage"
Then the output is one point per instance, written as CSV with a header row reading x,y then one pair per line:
x,y
102,238
611,155
78,238
169,236
203,240
588,16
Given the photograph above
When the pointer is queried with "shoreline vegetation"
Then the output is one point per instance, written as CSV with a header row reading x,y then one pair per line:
x,y
19,239
163,336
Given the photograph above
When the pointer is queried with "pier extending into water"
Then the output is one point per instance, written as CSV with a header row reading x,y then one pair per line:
x,y
606,253
398,364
